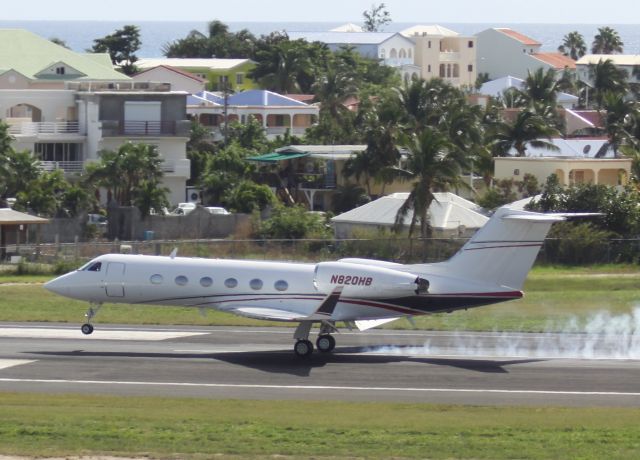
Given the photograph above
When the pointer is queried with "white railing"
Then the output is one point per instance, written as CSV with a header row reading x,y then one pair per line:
x,y
66,166
33,128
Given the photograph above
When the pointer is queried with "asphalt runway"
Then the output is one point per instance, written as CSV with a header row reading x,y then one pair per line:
x,y
258,363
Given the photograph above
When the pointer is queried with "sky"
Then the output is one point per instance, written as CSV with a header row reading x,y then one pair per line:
x,y
411,11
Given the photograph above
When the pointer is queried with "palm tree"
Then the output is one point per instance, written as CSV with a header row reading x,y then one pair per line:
x,y
573,45
529,129
540,88
606,41
620,120
606,77
433,164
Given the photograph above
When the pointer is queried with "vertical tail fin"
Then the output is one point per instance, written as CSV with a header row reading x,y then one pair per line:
x,y
504,249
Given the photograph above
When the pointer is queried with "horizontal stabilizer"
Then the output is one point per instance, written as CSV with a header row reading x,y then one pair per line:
x,y
371,323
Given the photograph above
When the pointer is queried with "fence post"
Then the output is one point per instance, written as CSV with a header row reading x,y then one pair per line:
x,y
76,247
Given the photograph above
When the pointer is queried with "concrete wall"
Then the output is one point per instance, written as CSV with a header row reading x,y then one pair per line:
x,y
126,224
500,55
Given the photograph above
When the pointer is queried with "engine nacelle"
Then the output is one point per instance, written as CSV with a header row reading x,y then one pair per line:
x,y
366,281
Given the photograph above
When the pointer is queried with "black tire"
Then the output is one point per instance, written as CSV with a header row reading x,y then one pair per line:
x,y
326,343
86,329
303,348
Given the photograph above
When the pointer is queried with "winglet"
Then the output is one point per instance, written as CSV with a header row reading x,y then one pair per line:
x,y
325,310
174,253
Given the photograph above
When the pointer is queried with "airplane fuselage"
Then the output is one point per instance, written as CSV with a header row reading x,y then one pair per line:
x,y
370,292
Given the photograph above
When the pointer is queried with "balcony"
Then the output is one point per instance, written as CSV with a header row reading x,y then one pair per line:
x,y
119,128
449,56
65,166
31,128
316,181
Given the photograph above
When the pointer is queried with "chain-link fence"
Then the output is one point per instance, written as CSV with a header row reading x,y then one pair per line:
x,y
403,250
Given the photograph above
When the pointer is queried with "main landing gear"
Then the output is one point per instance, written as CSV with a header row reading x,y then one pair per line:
x,y
325,342
87,328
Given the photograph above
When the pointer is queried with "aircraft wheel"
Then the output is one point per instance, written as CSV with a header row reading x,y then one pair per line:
x,y
326,343
86,329
303,348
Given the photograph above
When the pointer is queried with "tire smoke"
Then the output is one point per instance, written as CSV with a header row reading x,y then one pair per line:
x,y
600,336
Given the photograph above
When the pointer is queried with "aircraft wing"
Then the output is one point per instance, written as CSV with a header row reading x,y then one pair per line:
x,y
366,324
322,313
269,314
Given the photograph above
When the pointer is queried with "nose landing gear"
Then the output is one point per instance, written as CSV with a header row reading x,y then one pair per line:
x,y
87,328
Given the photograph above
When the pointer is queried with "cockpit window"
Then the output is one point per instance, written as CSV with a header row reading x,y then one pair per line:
x,y
95,267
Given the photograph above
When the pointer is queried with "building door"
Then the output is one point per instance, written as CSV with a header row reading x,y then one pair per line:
x,y
114,282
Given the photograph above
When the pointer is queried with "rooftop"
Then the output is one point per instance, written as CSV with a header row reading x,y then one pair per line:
x,y
520,37
429,30
617,59
34,57
557,60
184,63
337,38
172,69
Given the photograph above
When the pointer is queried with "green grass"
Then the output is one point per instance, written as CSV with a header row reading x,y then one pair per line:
x,y
46,425
553,297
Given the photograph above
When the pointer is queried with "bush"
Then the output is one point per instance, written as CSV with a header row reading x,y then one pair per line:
x,y
294,223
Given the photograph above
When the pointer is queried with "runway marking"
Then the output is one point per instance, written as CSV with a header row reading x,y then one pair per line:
x,y
98,334
321,387
7,363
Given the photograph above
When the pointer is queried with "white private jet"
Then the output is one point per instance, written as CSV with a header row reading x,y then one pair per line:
x,y
491,267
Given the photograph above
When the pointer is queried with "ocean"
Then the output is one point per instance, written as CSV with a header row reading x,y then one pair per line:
x,y
79,35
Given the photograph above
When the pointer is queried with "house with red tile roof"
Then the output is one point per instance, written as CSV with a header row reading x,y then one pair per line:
x,y
502,52
180,80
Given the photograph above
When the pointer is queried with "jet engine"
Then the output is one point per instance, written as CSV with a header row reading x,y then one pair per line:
x,y
367,281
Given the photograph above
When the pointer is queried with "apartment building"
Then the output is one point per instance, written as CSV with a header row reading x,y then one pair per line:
x,y
66,107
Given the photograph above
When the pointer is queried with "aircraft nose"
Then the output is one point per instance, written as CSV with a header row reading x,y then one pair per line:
x,y
58,286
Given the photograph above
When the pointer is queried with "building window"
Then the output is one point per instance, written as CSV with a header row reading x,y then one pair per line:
x,y
470,44
239,78
231,283
516,172
156,279
60,70
58,151
255,284
429,68
470,67
181,280
281,285
206,281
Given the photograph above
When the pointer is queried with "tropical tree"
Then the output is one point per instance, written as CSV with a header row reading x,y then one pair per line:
x,y
620,118
433,164
347,197
219,42
121,46
540,88
129,173
606,41
606,77
376,18
573,45
528,129
287,66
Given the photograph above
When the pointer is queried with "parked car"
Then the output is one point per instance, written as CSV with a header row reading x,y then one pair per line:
x,y
217,210
183,209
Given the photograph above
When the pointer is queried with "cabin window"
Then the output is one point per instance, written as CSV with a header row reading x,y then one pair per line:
x,y
95,267
156,279
206,281
281,285
181,280
231,283
255,284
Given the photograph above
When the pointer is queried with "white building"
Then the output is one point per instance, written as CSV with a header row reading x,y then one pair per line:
x,y
66,107
443,53
502,52
179,80
626,62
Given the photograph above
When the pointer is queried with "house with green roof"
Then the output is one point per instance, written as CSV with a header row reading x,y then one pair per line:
x,y
65,107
